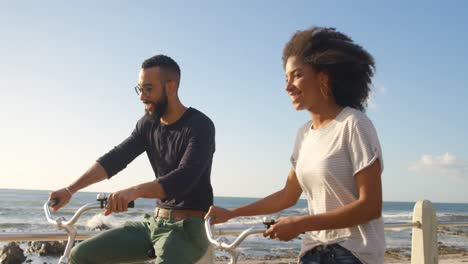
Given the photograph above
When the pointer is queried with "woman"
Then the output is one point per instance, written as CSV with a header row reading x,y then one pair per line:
x,y
337,159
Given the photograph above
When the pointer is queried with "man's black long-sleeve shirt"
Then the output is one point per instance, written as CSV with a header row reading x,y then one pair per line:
x,y
180,154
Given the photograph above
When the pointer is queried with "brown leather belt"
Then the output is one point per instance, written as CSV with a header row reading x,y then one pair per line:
x,y
178,214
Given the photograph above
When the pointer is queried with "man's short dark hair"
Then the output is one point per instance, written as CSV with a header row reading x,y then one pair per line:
x,y
169,67
349,67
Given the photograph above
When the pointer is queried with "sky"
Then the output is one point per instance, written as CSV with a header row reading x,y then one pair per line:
x,y
68,68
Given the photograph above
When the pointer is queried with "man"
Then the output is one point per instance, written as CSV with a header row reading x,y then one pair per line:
x,y
180,143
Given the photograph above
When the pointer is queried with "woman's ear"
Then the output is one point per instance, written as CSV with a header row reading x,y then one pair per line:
x,y
323,79
324,84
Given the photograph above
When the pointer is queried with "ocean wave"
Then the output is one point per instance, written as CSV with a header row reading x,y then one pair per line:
x,y
397,215
4,210
296,211
408,216
26,227
16,225
452,217
99,221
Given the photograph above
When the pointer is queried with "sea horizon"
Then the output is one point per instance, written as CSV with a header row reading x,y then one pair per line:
x,y
246,197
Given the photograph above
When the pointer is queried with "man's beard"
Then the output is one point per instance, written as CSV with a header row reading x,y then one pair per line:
x,y
159,108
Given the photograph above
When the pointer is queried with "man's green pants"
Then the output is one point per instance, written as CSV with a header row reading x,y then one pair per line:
x,y
175,242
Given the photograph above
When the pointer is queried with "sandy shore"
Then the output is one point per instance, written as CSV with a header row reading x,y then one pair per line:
x,y
447,259
447,255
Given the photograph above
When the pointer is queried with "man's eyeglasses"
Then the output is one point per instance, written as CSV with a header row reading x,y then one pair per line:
x,y
145,90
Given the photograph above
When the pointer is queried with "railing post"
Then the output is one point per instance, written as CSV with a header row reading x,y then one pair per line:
x,y
424,238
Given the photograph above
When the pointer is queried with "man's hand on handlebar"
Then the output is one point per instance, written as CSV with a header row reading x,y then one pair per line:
x,y
118,201
59,198
219,215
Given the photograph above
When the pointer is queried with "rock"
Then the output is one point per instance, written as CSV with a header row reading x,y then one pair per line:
x,y
452,231
444,250
100,227
43,248
221,258
12,254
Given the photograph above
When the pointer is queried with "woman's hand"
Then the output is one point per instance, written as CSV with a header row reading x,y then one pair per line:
x,y
285,229
219,215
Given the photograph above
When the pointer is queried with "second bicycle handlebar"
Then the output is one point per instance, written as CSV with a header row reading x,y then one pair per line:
x,y
222,243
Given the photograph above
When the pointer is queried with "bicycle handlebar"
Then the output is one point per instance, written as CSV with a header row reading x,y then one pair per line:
x,y
222,242
60,221
69,227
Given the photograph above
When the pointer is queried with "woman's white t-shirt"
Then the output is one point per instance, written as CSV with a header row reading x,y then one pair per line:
x,y
325,161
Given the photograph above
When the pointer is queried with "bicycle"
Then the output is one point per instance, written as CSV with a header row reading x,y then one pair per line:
x,y
221,243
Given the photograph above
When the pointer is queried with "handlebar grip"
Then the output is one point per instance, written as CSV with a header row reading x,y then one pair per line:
x,y
102,198
53,202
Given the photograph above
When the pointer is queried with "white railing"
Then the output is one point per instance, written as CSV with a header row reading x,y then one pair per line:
x,y
424,233
423,245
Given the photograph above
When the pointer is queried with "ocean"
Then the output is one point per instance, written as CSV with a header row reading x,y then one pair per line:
x,y
22,211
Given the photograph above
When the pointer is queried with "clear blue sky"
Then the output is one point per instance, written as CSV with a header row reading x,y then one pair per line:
x,y
67,71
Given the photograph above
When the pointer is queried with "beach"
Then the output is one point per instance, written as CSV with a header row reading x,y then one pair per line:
x,y
447,255
451,259
391,256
